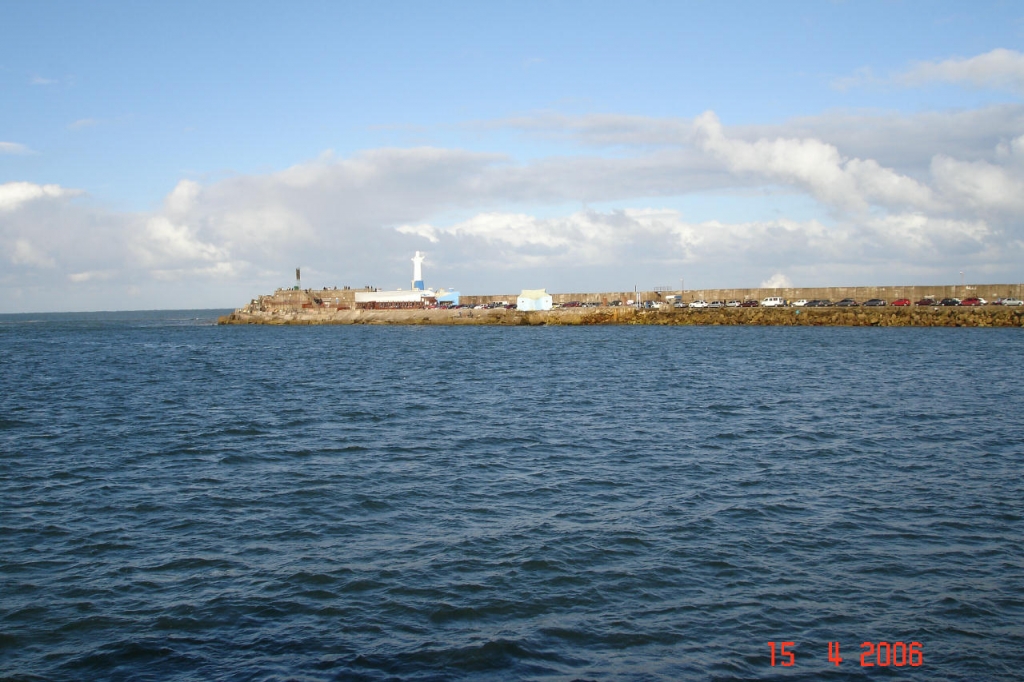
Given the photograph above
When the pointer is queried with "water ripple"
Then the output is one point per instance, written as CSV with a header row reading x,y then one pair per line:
x,y
182,501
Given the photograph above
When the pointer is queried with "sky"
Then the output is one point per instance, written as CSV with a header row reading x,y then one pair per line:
x,y
193,154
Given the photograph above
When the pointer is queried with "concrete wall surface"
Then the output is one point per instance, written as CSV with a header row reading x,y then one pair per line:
x,y
889,293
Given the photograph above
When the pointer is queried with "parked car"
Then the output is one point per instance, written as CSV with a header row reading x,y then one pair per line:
x,y
716,304
800,304
773,302
699,304
733,304
819,303
1012,301
949,301
901,302
749,304
973,300
874,303
847,303
679,304
926,301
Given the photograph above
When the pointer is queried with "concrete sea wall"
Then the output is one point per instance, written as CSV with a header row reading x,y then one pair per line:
x,y
888,293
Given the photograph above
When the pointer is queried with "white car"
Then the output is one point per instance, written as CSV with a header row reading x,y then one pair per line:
x,y
773,302
699,304
733,304
800,304
1012,301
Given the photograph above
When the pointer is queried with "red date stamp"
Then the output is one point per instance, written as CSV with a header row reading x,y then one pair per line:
x,y
873,654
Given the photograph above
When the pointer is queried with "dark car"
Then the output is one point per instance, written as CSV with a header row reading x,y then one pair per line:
x,y
874,303
950,301
749,304
819,303
847,303
926,301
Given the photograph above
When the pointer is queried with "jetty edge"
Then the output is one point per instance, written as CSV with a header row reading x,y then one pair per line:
x,y
888,316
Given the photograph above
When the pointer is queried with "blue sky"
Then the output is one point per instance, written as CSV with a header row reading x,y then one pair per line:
x,y
192,154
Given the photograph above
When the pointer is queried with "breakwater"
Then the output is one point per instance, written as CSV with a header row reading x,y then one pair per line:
x,y
985,316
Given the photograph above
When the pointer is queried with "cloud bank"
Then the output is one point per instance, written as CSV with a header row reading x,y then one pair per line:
x,y
491,223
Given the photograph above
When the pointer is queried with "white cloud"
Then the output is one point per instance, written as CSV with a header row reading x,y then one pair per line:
x,y
91,276
13,148
905,143
163,241
1000,69
276,228
40,80
222,270
777,281
26,253
861,77
925,237
600,129
980,184
15,194
182,197
661,237
425,231
811,163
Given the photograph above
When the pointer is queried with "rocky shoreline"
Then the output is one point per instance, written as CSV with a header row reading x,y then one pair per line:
x,y
985,316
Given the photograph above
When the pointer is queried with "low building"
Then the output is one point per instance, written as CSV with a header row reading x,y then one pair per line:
x,y
534,299
385,300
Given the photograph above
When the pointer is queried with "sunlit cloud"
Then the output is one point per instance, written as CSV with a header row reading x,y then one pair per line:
x,y
14,194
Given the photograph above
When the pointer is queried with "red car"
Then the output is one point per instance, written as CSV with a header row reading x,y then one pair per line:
x,y
901,301
972,301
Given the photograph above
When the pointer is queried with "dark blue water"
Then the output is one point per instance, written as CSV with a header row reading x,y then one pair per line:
x,y
182,501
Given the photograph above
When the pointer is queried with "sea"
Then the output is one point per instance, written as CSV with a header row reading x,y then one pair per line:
x,y
186,501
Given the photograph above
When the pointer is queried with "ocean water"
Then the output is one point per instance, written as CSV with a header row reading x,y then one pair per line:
x,y
182,501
